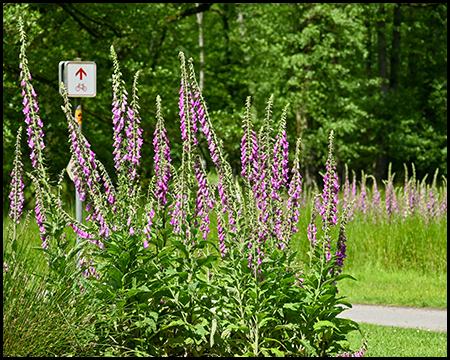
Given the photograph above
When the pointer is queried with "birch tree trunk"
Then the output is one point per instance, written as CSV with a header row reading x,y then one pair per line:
x,y
200,44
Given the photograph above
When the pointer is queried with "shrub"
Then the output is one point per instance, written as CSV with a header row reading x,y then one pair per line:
x,y
171,286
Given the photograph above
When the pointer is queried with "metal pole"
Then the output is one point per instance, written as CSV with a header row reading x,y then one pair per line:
x,y
78,205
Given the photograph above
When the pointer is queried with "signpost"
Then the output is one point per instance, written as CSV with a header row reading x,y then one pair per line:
x,y
80,79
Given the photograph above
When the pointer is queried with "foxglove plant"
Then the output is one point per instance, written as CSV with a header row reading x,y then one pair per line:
x,y
341,249
375,206
362,199
249,147
312,228
263,184
279,176
30,109
229,193
17,199
205,201
294,192
16,194
280,168
45,200
330,200
264,304
127,144
162,157
181,211
87,178
119,114
391,200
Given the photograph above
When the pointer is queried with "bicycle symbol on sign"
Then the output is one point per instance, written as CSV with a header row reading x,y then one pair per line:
x,y
81,87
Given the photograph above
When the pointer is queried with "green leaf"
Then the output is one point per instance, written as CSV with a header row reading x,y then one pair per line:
x,y
291,306
182,247
276,352
124,260
192,287
310,350
199,329
173,341
324,324
245,329
213,331
113,248
275,254
266,320
324,299
172,324
132,292
116,275
207,260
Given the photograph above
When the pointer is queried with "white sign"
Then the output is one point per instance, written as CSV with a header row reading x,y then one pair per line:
x,y
69,169
80,78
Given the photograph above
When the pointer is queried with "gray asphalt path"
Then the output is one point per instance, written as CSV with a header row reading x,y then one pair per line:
x,y
408,317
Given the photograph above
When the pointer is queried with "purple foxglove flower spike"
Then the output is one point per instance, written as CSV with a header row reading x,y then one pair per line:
x,y
16,195
30,110
162,157
293,203
329,210
205,202
118,110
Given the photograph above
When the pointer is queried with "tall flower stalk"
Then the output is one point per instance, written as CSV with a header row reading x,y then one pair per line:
x,y
249,146
162,156
16,194
330,200
293,202
133,133
118,114
30,109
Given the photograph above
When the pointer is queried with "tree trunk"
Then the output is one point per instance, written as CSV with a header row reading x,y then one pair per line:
x,y
395,51
381,165
382,53
200,44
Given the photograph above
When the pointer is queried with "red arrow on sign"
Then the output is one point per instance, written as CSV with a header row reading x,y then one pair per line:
x,y
81,72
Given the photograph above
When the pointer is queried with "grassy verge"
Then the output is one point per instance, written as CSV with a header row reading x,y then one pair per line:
x,y
402,262
389,341
379,286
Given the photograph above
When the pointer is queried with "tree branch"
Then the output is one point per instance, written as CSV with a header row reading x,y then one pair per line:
x,y
36,76
102,23
420,4
188,12
69,9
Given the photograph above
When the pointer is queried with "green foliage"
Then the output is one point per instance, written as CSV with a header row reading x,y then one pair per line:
x,y
158,288
321,58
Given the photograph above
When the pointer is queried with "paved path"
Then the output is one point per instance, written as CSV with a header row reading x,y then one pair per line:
x,y
422,318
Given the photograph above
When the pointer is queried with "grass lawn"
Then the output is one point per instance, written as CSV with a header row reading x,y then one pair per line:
x,y
389,341
400,287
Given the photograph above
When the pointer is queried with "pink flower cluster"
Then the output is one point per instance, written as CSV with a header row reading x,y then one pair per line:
x,y
162,157
16,194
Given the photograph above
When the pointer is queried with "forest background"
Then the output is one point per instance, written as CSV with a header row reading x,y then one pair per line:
x,y
375,73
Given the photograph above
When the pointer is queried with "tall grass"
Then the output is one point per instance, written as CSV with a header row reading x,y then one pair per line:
x,y
37,321
398,258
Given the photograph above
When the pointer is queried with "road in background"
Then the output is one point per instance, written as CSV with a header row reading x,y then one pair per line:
x,y
421,318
